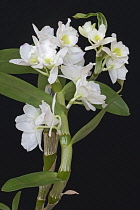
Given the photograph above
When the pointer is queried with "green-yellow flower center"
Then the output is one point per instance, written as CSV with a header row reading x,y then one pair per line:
x,y
65,39
97,38
49,62
33,60
117,51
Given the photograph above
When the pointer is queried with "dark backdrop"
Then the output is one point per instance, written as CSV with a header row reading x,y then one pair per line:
x,y
105,164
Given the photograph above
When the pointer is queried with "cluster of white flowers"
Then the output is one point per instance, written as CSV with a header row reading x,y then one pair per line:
x,y
60,56
116,57
34,121
51,53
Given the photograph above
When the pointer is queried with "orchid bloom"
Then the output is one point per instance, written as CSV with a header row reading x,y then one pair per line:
x,y
46,33
75,55
50,58
29,56
74,72
116,60
116,71
50,119
86,29
97,38
34,121
89,93
118,51
66,34
28,123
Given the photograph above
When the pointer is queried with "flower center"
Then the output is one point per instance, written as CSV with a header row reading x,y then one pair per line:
x,y
49,62
117,51
33,60
96,38
65,39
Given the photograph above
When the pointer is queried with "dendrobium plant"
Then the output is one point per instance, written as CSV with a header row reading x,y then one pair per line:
x,y
63,80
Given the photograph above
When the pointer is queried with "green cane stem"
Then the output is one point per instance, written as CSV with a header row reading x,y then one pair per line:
x,y
50,149
66,158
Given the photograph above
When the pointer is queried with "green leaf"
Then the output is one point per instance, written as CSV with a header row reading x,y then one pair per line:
x,y
16,200
69,90
42,81
5,66
4,207
90,126
22,91
62,81
118,107
101,18
7,54
30,180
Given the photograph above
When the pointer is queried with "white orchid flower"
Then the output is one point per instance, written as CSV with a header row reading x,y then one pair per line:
x,y
116,60
89,93
97,38
66,34
28,123
34,121
46,33
50,119
118,71
86,28
75,55
74,72
29,56
118,51
50,58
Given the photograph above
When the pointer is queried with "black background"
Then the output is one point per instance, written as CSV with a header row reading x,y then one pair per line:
x,y
106,163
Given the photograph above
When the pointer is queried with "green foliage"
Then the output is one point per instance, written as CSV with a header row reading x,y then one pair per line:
x,y
101,18
5,66
89,127
69,90
118,107
22,91
16,200
42,81
4,207
62,81
30,180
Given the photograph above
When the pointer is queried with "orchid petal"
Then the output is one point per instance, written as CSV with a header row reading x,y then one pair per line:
x,y
29,141
53,75
39,138
19,62
31,111
113,75
108,40
102,29
26,127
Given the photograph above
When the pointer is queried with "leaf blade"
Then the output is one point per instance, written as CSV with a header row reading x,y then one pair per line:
x,y
30,180
118,107
16,200
42,82
69,90
90,126
4,207
22,91
101,18
5,66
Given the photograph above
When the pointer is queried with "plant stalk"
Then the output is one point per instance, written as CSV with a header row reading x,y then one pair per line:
x,y
66,158
50,149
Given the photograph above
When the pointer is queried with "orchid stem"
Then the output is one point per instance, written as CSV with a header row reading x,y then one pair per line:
x,y
66,158
50,149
